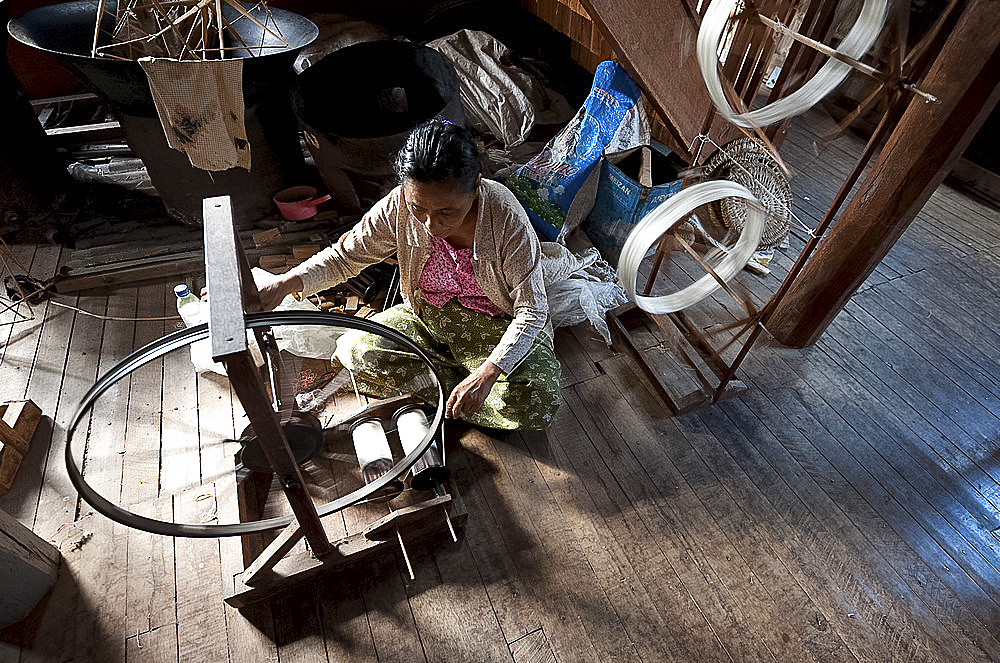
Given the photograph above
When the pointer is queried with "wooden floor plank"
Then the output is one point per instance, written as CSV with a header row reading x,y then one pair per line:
x,y
785,415
533,648
154,646
201,617
141,462
61,381
844,508
656,608
151,590
496,562
684,502
450,606
346,630
180,466
393,629
20,352
549,559
946,523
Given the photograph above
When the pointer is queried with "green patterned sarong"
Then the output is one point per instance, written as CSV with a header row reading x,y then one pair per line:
x,y
458,340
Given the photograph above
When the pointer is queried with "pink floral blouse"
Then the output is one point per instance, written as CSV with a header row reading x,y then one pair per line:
x,y
448,273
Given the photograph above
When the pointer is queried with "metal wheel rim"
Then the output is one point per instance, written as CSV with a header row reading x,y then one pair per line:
x,y
185,337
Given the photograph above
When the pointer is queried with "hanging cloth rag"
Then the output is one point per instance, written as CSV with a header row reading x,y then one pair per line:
x,y
200,105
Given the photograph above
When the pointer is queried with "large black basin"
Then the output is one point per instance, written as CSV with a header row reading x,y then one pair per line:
x,y
359,104
66,30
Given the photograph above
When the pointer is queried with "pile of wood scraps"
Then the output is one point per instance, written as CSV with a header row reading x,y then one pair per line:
x,y
367,293
115,258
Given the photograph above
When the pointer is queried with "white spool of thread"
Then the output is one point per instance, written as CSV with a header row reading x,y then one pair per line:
x,y
669,214
854,45
412,427
370,442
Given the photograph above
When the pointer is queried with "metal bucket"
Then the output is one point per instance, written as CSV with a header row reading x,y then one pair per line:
x,y
359,104
66,30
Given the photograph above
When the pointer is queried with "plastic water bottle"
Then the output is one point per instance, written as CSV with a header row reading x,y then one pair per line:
x,y
191,311
188,305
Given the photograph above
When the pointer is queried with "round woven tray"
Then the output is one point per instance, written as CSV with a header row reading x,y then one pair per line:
x,y
743,161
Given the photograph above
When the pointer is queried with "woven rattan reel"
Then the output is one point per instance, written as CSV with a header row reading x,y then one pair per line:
x,y
745,162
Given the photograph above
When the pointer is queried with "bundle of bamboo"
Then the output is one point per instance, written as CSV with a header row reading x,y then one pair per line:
x,y
180,29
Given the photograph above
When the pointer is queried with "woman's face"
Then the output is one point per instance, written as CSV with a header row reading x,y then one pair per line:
x,y
440,206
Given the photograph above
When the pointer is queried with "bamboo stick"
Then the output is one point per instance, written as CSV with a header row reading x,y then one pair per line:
x,y
194,10
236,5
821,47
97,28
163,12
218,18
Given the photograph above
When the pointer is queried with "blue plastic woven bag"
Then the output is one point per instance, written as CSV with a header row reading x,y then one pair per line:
x,y
611,117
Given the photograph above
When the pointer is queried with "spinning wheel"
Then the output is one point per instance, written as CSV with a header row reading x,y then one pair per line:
x,y
304,437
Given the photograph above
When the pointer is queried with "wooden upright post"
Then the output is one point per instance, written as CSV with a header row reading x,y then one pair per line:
x,y
928,140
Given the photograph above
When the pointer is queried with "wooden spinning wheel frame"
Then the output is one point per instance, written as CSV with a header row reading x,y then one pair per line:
x,y
271,566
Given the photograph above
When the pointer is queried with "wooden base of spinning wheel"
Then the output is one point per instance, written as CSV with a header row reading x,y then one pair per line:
x,y
421,519
684,369
278,560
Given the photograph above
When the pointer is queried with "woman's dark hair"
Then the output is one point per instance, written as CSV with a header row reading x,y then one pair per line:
x,y
439,151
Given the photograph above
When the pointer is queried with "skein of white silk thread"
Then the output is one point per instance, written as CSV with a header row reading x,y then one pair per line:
x,y
412,427
667,216
854,45
370,443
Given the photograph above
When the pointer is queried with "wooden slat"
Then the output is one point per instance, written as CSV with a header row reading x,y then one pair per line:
x,y
549,557
201,613
532,648
180,467
150,584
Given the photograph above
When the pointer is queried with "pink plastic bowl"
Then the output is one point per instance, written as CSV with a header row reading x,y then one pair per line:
x,y
298,202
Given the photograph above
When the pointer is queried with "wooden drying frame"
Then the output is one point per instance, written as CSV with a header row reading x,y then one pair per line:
x,y
624,319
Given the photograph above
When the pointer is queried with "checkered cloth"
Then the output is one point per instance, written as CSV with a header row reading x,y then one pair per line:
x,y
200,105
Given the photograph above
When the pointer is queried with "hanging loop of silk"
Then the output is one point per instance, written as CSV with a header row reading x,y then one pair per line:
x,y
854,45
665,218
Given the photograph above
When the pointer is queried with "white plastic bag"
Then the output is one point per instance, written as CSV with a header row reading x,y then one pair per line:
x,y
498,96
302,340
580,287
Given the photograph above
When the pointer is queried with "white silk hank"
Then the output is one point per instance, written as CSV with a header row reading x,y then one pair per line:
x,y
854,45
666,217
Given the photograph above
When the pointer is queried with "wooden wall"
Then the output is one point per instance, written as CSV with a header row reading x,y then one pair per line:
x,y
588,47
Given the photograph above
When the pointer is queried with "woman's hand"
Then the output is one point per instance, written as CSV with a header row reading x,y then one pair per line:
x,y
275,287
470,394
272,288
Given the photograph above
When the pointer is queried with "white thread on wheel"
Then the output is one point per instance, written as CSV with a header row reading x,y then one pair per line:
x,y
854,45
666,217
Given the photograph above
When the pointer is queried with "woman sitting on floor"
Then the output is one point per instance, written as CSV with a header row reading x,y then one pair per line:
x,y
473,295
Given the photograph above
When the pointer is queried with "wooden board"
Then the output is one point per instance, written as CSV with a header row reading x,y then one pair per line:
x,y
28,568
18,420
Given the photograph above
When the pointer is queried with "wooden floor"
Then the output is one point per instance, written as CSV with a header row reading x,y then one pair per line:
x,y
844,508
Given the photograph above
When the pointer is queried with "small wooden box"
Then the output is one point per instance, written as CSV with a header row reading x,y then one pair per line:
x,y
18,420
